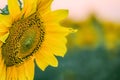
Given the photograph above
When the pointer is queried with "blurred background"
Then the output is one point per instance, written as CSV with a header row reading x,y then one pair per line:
x,y
94,51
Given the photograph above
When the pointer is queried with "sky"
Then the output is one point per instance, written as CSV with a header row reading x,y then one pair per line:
x,y
81,9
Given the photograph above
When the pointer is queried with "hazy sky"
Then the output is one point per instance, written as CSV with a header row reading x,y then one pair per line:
x,y
80,9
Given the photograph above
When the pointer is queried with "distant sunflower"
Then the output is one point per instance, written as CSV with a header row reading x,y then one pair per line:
x,y
111,35
28,34
87,36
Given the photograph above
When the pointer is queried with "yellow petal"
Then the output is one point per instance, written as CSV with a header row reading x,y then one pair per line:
x,y
1,65
55,16
5,20
44,6
2,71
50,58
29,7
59,49
26,70
29,69
4,37
2,68
11,73
0,54
14,9
57,29
42,64
57,34
21,72
3,33
44,58
3,29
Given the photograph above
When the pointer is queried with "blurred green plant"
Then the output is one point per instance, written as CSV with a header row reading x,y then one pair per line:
x,y
85,64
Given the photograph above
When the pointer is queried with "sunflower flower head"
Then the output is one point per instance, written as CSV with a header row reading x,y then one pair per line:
x,y
111,35
89,39
29,33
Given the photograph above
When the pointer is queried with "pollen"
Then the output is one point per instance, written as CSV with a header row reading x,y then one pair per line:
x,y
25,38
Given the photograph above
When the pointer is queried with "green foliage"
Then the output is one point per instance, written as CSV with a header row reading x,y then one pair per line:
x,y
84,65
5,11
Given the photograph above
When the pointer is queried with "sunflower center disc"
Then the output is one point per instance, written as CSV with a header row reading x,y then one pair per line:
x,y
25,38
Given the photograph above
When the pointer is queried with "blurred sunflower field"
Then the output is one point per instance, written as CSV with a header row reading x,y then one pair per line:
x,y
94,50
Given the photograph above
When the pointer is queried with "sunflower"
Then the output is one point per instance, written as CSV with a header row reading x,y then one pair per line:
x,y
87,36
111,35
28,34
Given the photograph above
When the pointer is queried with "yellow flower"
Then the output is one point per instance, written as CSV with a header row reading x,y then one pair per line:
x,y
87,36
111,34
28,34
